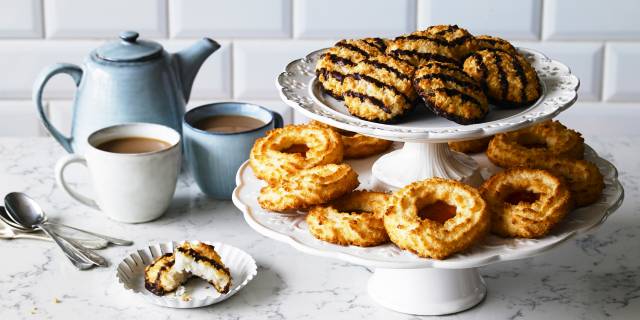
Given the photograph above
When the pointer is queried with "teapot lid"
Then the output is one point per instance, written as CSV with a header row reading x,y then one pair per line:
x,y
129,49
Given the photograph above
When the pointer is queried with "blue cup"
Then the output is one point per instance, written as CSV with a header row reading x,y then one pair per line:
x,y
215,157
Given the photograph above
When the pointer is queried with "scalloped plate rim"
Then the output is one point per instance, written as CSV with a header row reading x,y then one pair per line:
x,y
426,263
170,301
439,134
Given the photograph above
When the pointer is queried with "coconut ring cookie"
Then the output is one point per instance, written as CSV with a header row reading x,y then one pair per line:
x,y
583,177
285,151
354,219
357,146
471,146
309,187
525,202
549,139
436,218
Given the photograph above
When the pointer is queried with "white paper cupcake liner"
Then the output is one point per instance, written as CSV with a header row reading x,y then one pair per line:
x,y
197,292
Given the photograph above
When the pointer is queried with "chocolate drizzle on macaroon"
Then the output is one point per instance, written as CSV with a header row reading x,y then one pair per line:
x,y
445,43
450,93
338,61
379,89
510,81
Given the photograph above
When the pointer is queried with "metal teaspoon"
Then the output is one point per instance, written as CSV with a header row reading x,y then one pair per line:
x,y
26,212
87,243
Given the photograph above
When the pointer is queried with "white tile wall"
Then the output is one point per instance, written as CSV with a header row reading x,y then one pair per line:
x,y
22,60
260,36
353,18
256,65
238,18
19,118
502,18
591,19
20,18
104,19
60,113
584,58
621,82
214,78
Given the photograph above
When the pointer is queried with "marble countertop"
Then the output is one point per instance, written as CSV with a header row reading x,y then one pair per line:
x,y
594,276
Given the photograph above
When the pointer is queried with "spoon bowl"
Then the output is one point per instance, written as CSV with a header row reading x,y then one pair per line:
x,y
24,210
4,216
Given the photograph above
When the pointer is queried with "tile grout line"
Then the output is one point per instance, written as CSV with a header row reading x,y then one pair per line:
x,y
167,19
541,21
605,50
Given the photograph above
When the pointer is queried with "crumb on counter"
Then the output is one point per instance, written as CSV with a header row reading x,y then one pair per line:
x,y
56,300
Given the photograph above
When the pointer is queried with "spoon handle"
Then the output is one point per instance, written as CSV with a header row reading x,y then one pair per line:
x,y
72,255
91,255
116,241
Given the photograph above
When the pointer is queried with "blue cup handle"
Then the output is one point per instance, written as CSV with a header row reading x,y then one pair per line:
x,y
278,122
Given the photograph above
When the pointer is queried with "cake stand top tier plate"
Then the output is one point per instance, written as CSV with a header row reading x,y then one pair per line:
x,y
300,89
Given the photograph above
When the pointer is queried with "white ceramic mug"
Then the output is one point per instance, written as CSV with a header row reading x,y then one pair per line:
x,y
129,187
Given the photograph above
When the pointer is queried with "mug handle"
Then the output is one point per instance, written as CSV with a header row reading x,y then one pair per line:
x,y
60,167
72,70
278,122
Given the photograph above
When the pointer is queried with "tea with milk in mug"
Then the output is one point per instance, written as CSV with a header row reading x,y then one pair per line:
x,y
228,124
133,145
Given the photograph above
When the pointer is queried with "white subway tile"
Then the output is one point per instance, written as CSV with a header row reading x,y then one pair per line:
x,y
60,113
20,18
591,19
622,66
502,18
598,119
256,64
353,18
22,60
583,58
238,18
214,78
105,19
19,119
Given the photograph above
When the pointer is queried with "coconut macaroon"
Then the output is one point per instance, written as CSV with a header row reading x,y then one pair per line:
x,y
445,43
201,260
162,277
379,89
338,61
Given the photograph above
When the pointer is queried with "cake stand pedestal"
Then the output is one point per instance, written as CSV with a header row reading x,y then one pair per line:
x,y
417,161
427,291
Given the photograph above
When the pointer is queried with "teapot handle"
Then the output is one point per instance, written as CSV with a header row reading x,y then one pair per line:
x,y
72,70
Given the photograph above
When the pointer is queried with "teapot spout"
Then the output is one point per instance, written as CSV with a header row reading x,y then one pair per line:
x,y
189,61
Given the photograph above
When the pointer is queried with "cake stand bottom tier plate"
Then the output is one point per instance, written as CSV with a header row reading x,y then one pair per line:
x,y
405,282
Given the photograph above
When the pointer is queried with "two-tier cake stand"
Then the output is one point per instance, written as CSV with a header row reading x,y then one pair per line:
x,y
402,281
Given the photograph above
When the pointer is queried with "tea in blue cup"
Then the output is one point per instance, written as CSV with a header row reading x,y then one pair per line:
x,y
218,138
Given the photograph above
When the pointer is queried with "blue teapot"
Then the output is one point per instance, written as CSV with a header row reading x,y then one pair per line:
x,y
129,80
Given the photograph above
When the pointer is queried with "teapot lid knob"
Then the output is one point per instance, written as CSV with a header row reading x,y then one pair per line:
x,y
129,36
129,49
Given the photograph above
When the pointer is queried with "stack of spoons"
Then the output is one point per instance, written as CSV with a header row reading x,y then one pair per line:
x,y
23,216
